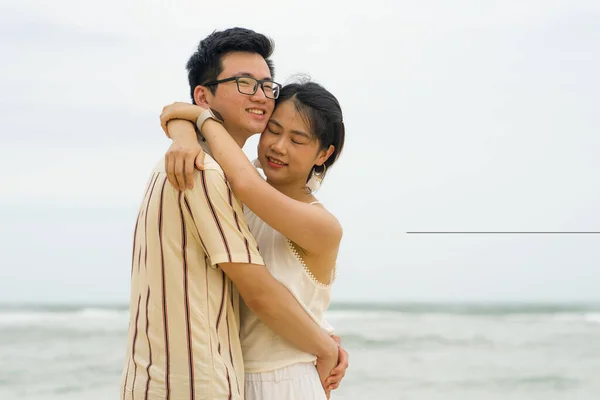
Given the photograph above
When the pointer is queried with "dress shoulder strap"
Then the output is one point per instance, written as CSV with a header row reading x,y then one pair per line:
x,y
315,202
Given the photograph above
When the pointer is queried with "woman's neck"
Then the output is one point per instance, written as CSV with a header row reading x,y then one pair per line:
x,y
295,190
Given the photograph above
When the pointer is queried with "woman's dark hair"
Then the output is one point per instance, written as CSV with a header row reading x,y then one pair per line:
x,y
205,64
321,112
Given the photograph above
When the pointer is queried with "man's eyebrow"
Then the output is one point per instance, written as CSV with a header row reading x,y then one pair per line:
x,y
267,78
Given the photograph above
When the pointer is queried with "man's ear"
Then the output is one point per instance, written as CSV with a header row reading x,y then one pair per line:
x,y
202,96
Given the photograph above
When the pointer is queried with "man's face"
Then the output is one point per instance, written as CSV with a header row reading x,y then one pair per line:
x,y
244,115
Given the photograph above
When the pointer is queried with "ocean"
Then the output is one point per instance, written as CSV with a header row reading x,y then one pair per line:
x,y
397,351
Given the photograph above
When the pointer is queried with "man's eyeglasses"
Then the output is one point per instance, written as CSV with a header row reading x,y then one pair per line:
x,y
249,86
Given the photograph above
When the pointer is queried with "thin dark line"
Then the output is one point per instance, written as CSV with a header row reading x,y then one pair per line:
x,y
506,233
137,316
146,225
218,322
214,213
237,222
134,241
126,377
187,205
221,310
231,353
148,184
139,257
164,292
187,299
149,346
206,280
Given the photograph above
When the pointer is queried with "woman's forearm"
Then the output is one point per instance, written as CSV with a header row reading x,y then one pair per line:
x,y
181,130
240,172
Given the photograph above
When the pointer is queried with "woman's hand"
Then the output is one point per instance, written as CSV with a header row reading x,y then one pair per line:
x,y
184,154
325,365
338,373
179,110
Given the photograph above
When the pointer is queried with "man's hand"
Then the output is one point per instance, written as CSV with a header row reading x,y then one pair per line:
x,y
326,364
183,155
338,373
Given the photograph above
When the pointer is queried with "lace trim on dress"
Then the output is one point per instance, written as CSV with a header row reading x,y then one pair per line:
x,y
308,272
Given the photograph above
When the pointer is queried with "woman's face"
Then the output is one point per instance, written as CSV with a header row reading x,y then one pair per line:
x,y
287,150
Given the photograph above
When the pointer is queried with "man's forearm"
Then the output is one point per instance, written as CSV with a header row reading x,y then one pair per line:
x,y
280,311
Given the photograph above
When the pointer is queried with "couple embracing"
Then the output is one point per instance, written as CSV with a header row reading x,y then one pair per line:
x,y
212,229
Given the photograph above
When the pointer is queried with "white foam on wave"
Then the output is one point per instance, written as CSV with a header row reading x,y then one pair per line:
x,y
102,313
569,317
86,316
20,318
592,317
516,317
360,315
577,317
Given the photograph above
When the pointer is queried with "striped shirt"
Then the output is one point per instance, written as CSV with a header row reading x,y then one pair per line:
x,y
183,340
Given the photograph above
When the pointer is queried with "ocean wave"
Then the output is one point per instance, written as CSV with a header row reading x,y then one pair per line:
x,y
65,317
526,382
37,315
416,341
102,313
335,316
592,317
496,309
361,315
558,317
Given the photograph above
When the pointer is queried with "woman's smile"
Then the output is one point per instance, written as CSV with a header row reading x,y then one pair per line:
x,y
275,163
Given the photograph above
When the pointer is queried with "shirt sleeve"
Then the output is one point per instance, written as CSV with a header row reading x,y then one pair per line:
x,y
219,220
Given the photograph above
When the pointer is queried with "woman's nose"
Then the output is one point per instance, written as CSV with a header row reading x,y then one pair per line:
x,y
279,145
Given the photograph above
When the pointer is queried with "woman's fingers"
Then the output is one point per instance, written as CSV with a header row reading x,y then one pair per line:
x,y
179,172
189,170
200,161
170,167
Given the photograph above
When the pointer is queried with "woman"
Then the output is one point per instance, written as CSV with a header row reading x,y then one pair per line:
x,y
298,238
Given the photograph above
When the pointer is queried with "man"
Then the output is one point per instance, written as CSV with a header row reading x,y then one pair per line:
x,y
193,254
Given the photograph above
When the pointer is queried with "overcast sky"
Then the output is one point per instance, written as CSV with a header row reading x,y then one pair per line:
x,y
460,116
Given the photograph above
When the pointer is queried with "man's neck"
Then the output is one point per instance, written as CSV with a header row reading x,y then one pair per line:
x,y
239,137
240,140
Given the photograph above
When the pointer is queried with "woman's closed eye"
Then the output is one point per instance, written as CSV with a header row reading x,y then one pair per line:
x,y
300,140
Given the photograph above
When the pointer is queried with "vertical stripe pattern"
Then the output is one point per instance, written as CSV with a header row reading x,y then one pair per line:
x,y
237,223
164,291
148,378
183,342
